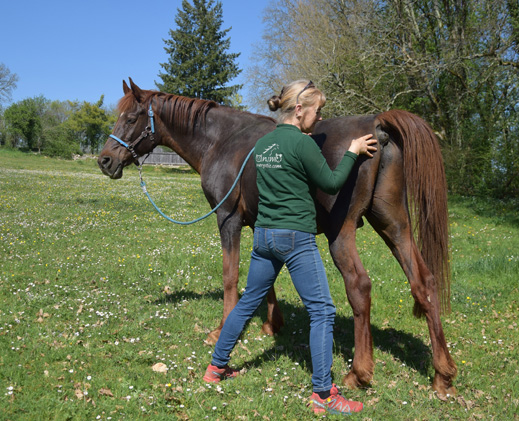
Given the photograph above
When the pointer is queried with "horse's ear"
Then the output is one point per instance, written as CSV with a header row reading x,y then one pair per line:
x,y
139,94
125,88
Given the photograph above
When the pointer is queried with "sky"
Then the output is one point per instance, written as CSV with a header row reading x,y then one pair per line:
x,y
82,49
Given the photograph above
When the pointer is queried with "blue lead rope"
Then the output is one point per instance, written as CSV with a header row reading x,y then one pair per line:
x,y
146,133
143,186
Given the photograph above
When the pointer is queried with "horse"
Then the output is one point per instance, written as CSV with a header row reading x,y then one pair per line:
x,y
401,192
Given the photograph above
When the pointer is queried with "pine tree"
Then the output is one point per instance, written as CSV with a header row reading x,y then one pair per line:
x,y
199,65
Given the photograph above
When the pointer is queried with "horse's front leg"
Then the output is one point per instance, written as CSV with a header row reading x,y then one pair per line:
x,y
358,290
230,239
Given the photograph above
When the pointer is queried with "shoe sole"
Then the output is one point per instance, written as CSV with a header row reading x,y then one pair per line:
x,y
319,408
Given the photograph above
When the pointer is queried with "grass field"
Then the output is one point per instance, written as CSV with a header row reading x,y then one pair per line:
x,y
96,290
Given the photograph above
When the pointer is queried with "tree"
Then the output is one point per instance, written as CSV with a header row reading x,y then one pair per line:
x,y
343,56
7,83
56,128
23,121
91,123
199,65
462,59
60,140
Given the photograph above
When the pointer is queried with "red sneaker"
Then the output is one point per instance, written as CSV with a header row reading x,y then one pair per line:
x,y
214,374
334,404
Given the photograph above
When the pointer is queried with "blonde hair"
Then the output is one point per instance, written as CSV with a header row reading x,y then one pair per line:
x,y
301,92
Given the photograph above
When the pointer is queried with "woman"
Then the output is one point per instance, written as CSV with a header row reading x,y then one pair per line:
x,y
290,166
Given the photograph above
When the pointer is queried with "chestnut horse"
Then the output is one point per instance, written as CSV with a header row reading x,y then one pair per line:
x,y
215,141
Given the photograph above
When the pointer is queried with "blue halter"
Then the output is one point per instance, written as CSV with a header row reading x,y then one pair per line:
x,y
148,131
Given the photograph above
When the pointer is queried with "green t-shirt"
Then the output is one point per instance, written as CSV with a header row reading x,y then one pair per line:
x,y
290,167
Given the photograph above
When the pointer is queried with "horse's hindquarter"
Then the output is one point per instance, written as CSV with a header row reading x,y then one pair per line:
x,y
334,137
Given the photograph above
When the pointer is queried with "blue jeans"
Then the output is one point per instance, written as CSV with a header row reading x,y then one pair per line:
x,y
298,250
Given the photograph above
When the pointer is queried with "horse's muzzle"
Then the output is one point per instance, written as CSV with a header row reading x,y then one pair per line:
x,y
109,167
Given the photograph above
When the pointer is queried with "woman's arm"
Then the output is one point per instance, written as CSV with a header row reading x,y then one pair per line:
x,y
320,174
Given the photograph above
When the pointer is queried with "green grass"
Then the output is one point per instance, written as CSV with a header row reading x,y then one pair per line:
x,y
84,317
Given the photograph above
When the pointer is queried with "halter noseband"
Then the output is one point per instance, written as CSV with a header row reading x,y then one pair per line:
x,y
148,131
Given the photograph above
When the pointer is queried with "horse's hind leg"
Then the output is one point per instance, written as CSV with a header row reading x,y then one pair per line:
x,y
275,320
358,290
390,219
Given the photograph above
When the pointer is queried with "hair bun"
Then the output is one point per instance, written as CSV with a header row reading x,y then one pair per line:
x,y
274,103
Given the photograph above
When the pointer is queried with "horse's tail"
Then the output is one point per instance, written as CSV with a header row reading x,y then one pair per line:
x,y
427,193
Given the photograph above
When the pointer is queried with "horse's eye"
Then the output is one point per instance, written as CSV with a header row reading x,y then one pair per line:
x,y
131,119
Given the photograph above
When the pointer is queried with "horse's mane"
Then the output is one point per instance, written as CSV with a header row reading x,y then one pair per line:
x,y
184,112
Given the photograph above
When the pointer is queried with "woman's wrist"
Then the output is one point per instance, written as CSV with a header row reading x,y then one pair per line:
x,y
354,150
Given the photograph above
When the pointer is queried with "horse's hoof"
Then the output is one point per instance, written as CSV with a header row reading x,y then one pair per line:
x,y
212,338
351,381
446,393
452,391
443,387
268,329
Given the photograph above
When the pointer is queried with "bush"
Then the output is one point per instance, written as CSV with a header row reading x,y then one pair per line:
x,y
59,144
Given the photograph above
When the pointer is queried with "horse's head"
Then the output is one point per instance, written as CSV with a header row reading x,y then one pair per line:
x,y
133,135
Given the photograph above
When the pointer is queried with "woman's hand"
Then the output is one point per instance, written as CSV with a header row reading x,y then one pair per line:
x,y
363,145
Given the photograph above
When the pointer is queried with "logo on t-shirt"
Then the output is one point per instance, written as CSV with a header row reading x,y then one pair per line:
x,y
269,158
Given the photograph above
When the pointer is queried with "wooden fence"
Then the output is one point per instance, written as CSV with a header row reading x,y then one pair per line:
x,y
163,158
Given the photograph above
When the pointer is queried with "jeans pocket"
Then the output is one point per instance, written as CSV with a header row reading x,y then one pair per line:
x,y
283,243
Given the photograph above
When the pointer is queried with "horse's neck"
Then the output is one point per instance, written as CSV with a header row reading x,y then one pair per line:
x,y
194,145
191,145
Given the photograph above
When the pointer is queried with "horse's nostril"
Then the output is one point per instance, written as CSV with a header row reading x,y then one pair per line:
x,y
105,161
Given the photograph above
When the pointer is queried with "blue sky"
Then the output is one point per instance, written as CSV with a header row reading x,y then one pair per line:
x,y
80,50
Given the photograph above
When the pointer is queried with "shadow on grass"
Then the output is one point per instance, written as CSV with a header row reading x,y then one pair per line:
x,y
167,169
179,296
292,340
